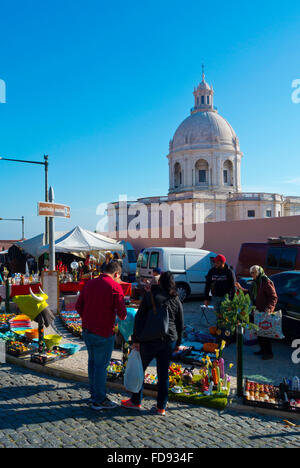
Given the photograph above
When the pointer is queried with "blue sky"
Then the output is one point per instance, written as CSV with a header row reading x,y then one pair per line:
x,y
102,86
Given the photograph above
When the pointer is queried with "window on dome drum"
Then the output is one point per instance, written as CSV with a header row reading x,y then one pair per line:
x,y
202,176
208,100
228,173
251,213
269,214
177,175
202,100
225,175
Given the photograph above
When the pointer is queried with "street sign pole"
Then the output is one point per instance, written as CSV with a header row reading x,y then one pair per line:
x,y
240,369
46,199
51,235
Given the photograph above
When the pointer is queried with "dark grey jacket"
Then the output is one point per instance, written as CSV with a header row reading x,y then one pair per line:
x,y
220,281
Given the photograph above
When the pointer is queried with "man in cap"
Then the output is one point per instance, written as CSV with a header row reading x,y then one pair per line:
x,y
154,280
220,281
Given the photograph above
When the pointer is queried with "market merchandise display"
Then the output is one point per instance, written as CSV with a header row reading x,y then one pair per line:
x,y
17,348
115,370
22,340
72,322
206,384
196,345
284,397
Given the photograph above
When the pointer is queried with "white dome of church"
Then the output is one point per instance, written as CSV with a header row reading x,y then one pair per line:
x,y
204,154
205,176
202,130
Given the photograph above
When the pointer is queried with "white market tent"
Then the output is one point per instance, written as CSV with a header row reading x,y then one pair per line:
x,y
35,245
82,240
77,241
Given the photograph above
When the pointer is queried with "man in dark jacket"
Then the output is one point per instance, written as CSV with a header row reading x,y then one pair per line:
x,y
220,281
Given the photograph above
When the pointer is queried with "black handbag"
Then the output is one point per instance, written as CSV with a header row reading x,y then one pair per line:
x,y
157,323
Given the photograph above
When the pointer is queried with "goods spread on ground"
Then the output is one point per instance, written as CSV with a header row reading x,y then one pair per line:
x,y
21,339
284,397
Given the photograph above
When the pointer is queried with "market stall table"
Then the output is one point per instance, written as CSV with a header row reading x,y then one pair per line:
x,y
23,290
78,287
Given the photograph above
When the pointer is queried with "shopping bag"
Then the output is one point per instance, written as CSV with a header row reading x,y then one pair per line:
x,y
250,337
134,374
270,326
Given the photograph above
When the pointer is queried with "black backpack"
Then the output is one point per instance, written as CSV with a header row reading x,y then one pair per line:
x,y
156,325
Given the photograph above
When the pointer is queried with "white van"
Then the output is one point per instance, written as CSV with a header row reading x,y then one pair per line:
x,y
129,262
189,267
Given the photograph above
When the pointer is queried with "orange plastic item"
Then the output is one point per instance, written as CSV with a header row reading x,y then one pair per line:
x,y
20,318
210,347
213,330
214,375
31,334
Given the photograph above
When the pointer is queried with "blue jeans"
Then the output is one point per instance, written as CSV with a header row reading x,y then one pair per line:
x,y
216,303
99,354
162,351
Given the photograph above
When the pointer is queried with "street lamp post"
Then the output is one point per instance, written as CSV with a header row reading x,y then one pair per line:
x,y
17,219
46,165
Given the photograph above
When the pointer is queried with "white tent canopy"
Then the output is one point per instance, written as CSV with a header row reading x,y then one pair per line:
x,y
78,240
35,245
82,240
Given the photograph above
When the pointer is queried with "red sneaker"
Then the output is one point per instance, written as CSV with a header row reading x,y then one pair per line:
x,y
130,405
161,412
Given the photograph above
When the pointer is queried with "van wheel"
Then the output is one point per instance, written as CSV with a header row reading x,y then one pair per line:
x,y
183,292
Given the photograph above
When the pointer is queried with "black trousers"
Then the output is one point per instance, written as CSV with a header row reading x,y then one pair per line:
x,y
265,345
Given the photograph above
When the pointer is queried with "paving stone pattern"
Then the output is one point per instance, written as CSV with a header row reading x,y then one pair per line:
x,y
37,411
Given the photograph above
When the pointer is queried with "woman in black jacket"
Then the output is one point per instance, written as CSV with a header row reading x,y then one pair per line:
x,y
164,295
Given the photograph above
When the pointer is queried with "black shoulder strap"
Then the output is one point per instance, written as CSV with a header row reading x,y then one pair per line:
x,y
153,303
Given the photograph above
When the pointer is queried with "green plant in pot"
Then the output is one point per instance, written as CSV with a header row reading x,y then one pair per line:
x,y
235,312
235,316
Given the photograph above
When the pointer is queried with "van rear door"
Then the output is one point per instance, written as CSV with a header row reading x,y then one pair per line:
x,y
149,261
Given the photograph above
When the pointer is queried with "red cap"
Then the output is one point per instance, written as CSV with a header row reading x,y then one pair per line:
x,y
220,258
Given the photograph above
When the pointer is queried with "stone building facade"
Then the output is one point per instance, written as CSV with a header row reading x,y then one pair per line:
x,y
205,162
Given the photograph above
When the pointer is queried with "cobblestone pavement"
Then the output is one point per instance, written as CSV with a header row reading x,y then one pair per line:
x,y
37,411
